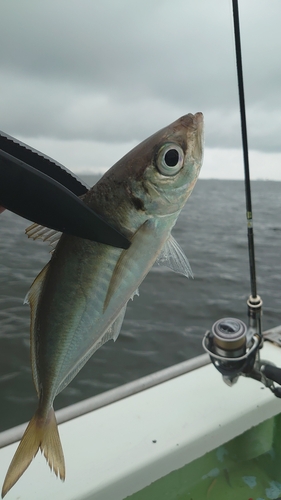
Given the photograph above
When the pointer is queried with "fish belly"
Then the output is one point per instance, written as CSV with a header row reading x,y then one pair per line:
x,y
85,289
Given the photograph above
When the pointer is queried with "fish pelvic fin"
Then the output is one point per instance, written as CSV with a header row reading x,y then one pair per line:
x,y
40,433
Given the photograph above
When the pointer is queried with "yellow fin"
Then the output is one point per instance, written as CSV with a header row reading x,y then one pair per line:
x,y
40,433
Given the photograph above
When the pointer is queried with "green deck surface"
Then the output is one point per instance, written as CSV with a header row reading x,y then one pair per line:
x,y
246,468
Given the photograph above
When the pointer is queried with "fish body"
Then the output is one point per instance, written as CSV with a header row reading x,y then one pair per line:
x,y
78,301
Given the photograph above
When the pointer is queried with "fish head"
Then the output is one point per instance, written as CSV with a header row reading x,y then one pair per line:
x,y
171,167
154,179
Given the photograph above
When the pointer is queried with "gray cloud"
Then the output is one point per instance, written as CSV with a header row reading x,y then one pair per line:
x,y
117,71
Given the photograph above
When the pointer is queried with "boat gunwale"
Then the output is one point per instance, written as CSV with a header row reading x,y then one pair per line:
x,y
93,403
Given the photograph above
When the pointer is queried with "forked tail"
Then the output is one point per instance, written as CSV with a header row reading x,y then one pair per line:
x,y
40,433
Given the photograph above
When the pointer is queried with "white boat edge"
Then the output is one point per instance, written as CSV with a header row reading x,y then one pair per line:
x,y
119,442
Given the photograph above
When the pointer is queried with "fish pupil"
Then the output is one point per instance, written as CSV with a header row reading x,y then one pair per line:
x,y
172,157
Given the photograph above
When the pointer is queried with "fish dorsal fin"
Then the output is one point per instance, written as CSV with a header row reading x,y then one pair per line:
x,y
173,257
32,298
37,232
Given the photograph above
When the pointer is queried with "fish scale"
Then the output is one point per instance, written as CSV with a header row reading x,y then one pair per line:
x,y
91,315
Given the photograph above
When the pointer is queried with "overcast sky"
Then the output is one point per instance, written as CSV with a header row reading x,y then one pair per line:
x,y
86,80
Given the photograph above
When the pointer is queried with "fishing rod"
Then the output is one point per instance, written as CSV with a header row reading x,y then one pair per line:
x,y
254,302
233,348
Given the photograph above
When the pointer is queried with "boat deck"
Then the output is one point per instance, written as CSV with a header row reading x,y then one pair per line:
x,y
122,447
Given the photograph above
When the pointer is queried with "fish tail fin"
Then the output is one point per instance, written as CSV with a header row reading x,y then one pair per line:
x,y
40,433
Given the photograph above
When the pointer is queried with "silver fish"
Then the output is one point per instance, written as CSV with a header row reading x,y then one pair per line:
x,y
78,301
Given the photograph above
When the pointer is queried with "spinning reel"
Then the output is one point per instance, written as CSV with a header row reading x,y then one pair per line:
x,y
234,349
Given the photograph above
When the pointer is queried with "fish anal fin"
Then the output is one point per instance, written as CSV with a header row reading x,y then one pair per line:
x,y
40,433
172,256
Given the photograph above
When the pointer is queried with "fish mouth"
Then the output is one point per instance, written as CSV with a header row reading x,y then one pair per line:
x,y
199,119
194,126
195,121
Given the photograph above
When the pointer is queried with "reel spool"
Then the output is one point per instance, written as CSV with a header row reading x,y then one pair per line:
x,y
231,350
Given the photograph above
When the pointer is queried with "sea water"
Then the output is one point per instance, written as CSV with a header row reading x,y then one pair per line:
x,y
166,323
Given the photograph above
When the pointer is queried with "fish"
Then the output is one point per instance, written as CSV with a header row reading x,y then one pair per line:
x,y
78,300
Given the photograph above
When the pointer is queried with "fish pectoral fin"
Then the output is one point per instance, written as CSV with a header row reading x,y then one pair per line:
x,y
172,256
141,241
37,232
39,434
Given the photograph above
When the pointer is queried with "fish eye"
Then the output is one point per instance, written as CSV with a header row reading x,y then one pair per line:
x,y
170,159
